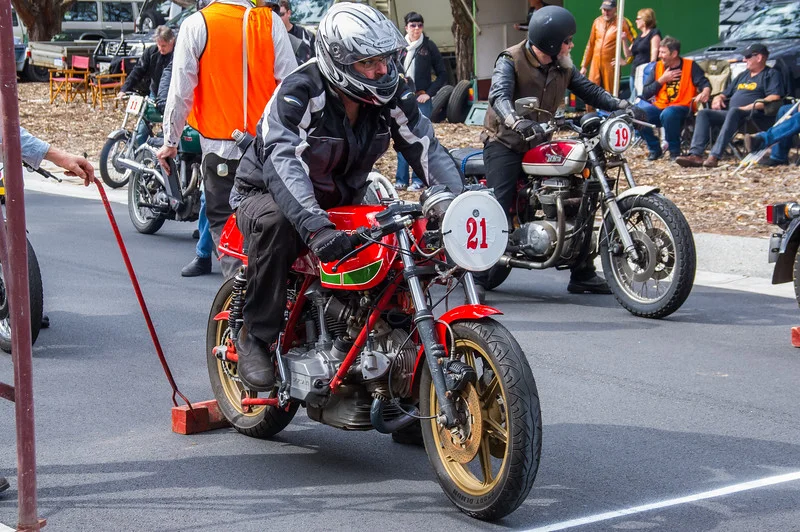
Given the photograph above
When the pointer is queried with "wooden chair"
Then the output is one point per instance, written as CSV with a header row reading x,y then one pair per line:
x,y
71,82
107,86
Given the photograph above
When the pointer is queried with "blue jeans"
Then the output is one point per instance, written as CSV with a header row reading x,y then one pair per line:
x,y
781,135
205,245
728,121
671,119
401,177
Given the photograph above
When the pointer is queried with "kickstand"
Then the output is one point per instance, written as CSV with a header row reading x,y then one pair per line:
x,y
283,389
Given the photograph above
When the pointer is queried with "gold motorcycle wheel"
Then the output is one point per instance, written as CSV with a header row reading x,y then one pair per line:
x,y
487,465
258,421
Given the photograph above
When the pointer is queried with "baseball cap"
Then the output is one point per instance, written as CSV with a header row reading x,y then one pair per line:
x,y
608,4
755,48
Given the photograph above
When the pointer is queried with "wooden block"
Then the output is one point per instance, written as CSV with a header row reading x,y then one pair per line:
x,y
796,336
204,416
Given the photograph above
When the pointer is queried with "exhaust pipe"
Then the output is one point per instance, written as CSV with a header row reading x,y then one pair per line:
x,y
136,167
510,262
387,427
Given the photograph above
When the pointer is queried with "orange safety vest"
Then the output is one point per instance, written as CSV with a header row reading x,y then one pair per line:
x,y
218,106
686,89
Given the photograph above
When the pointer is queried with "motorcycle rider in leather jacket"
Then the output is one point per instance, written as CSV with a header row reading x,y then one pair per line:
x,y
540,67
319,137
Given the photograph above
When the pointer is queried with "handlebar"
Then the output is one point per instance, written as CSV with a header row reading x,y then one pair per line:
x,y
391,220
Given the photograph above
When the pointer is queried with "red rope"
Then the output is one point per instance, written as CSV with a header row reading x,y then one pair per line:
x,y
139,296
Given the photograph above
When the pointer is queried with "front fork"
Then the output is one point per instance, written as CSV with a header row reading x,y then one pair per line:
x,y
610,199
435,353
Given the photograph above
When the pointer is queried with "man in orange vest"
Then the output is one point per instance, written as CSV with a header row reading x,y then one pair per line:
x,y
674,86
602,45
208,88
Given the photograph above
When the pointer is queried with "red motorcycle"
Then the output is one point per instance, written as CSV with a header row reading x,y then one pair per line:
x,y
361,348
645,243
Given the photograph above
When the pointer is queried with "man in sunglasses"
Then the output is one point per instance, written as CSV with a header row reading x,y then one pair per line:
x,y
321,133
729,110
302,40
539,66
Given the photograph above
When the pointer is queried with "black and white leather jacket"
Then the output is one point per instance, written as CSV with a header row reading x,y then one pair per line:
x,y
309,157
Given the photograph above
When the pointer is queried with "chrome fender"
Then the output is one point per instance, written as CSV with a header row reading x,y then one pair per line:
x,y
121,131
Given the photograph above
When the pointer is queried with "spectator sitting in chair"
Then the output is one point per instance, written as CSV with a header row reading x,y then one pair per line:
x,y
778,136
731,108
674,86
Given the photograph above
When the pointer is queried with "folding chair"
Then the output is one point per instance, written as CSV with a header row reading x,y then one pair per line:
x,y
71,82
105,86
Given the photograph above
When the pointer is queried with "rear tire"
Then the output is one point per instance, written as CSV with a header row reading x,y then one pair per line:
x,y
36,73
115,146
491,473
496,276
458,106
36,302
439,104
260,421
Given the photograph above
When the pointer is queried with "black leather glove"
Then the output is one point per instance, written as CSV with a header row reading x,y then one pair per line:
x,y
623,104
637,113
528,128
329,244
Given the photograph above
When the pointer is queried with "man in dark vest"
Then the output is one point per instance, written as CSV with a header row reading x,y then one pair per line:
x,y
541,67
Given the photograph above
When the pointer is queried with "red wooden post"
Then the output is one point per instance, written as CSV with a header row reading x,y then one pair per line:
x,y
15,269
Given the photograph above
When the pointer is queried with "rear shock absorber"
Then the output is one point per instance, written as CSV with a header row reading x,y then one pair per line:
x,y
235,319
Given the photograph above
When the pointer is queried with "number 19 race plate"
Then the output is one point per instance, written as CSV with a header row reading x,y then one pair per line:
x,y
475,231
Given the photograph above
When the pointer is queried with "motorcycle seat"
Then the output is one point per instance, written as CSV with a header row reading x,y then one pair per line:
x,y
470,160
155,142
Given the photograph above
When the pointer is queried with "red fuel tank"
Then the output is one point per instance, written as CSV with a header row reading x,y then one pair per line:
x,y
559,157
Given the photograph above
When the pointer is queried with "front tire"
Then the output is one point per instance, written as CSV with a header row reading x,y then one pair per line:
x,y
258,421
657,284
36,302
491,474
113,176
145,189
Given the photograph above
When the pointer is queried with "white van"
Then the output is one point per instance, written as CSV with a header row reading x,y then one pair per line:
x,y
18,29
98,19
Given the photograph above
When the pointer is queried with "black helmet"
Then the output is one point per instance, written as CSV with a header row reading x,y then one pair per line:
x,y
549,27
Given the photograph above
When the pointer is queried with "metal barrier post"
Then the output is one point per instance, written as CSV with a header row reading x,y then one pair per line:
x,y
15,270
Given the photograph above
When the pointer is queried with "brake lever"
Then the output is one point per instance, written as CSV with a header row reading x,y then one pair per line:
x,y
356,239
643,124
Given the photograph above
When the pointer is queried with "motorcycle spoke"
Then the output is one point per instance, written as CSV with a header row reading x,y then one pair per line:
x,y
485,457
491,390
495,430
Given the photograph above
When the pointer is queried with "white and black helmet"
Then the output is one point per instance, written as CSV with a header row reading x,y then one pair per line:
x,y
349,33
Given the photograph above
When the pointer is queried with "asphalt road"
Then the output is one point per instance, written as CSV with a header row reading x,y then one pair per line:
x,y
635,411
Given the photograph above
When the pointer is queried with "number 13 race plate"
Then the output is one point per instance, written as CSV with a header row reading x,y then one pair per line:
x,y
475,231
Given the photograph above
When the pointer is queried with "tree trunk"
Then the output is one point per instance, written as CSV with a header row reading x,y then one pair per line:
x,y
42,18
462,31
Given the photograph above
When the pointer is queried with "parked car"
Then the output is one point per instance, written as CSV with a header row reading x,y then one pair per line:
x,y
154,13
778,28
96,19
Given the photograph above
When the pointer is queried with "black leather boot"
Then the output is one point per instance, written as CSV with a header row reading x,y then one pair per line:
x,y
592,285
3,484
256,366
198,266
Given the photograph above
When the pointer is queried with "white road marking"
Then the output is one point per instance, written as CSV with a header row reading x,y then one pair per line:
x,y
720,492
4,528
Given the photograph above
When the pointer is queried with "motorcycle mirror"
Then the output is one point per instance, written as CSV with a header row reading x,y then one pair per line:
x,y
524,106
